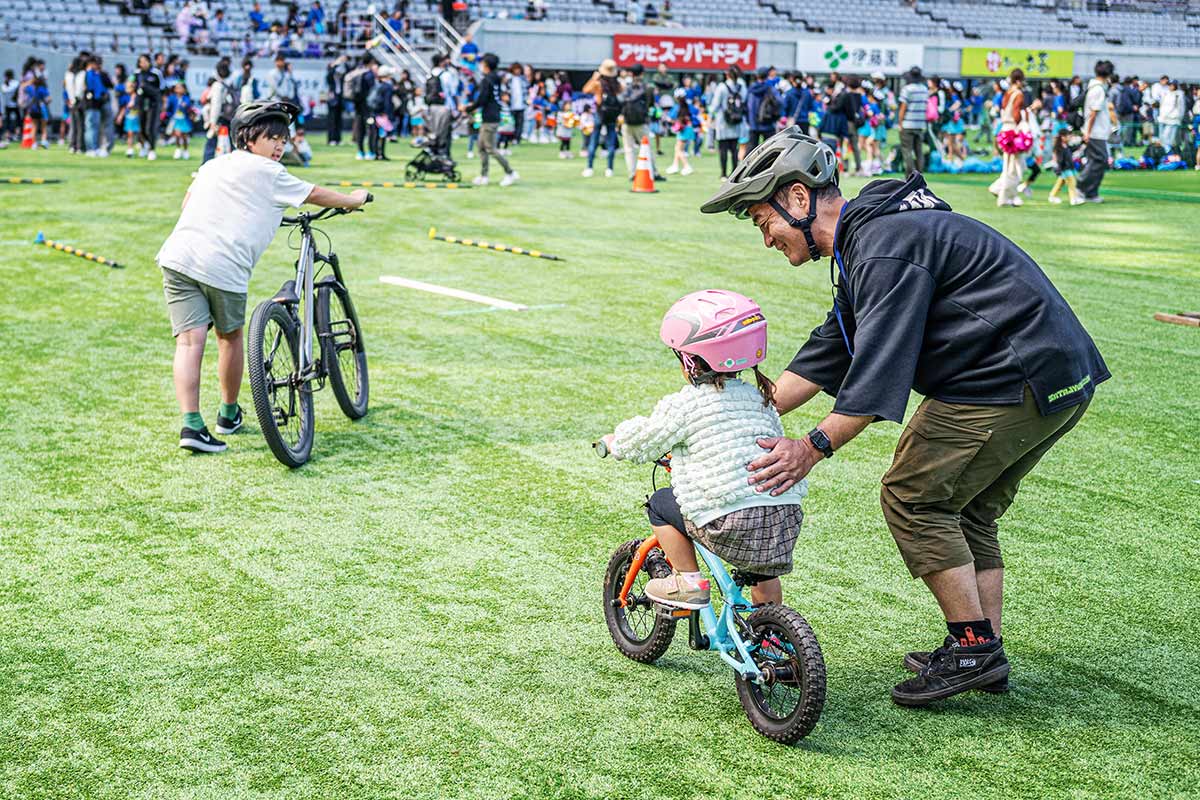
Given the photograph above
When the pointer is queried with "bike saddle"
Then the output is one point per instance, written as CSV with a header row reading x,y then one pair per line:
x,y
743,578
287,294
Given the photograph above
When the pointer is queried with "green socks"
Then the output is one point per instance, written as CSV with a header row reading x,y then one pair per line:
x,y
229,410
193,420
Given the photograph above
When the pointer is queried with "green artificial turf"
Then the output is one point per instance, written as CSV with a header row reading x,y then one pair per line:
x,y
417,612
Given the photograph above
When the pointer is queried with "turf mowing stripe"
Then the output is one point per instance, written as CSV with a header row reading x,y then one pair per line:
x,y
1150,194
433,288
459,312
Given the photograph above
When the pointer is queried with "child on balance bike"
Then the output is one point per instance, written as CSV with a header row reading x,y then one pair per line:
x,y
711,426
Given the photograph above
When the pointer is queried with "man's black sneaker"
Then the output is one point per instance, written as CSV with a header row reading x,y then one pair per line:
x,y
226,426
200,441
951,670
918,659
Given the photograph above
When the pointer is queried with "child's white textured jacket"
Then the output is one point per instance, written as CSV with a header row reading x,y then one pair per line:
x,y
712,435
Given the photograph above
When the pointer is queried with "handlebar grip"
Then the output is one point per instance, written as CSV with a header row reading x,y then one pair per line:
x,y
601,448
370,197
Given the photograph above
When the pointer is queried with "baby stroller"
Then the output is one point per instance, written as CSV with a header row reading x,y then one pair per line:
x,y
434,158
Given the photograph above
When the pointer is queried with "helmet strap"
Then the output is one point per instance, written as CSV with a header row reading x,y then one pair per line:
x,y
805,225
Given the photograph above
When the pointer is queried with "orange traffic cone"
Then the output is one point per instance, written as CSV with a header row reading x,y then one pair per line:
x,y
643,178
27,134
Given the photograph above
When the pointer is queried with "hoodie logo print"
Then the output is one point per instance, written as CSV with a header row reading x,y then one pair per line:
x,y
917,199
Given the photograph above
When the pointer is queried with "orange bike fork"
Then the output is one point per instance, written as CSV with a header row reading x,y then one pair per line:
x,y
639,558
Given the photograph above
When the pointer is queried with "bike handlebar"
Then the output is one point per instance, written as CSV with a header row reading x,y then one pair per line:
x,y
324,213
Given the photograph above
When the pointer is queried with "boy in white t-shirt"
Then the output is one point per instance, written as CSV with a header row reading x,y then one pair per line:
x,y
230,215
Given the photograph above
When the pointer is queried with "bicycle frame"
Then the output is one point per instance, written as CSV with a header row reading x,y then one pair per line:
x,y
306,268
720,632
304,281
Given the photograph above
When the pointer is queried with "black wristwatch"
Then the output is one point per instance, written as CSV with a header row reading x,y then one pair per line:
x,y
821,442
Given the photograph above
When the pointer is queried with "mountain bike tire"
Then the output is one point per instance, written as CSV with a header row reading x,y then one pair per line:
x,y
788,650
285,412
639,631
342,349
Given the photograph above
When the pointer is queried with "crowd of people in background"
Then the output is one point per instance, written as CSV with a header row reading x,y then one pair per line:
x,y
142,108
494,107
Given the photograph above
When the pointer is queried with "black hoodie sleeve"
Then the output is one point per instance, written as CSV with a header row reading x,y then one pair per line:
x,y
891,303
824,358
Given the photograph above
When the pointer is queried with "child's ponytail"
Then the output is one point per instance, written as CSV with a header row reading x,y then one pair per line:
x,y
766,387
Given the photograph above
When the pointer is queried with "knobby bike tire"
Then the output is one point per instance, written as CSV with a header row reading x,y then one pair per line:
x,y
656,631
341,337
267,343
807,677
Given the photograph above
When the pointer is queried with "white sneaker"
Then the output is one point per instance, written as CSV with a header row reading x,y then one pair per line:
x,y
608,173
588,172
1017,201
178,154
686,170
101,154
1077,201
187,154
151,156
359,156
561,155
481,181
510,179
90,154
1096,199
470,154
129,152
1054,200
672,170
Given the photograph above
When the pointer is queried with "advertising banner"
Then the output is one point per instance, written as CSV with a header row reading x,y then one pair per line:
x,y
862,58
684,52
997,62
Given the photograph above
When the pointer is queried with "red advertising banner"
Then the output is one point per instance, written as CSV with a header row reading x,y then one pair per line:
x,y
684,52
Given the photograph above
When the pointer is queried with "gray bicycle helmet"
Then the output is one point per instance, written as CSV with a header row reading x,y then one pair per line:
x,y
259,110
787,157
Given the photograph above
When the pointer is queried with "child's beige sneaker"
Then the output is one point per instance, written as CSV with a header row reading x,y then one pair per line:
x,y
677,592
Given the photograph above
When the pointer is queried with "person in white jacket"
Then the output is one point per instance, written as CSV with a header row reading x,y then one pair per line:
x,y
1170,115
712,427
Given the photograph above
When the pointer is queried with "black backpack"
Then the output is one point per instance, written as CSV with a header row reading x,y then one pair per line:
x,y
1075,116
1125,101
229,104
610,108
735,107
768,109
636,108
435,95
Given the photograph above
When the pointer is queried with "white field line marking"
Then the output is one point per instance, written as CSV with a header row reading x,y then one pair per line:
x,y
433,288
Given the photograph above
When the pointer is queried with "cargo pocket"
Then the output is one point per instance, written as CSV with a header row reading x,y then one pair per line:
x,y
931,457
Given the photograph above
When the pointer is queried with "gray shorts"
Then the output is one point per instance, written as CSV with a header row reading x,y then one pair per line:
x,y
192,304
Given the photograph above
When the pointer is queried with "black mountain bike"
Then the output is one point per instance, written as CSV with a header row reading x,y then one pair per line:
x,y
284,372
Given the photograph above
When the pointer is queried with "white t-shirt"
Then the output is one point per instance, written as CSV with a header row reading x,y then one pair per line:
x,y
1097,100
235,205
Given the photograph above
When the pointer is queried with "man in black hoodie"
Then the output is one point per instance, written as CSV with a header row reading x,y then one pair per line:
x,y
932,301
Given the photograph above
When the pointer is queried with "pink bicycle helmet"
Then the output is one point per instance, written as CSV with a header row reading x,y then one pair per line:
x,y
726,329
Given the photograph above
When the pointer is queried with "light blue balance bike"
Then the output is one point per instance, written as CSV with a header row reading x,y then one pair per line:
x,y
776,660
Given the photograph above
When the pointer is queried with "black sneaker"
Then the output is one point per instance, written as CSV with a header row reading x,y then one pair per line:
x,y
951,670
200,441
226,426
917,660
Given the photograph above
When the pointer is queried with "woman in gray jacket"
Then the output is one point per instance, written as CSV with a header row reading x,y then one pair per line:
x,y
727,110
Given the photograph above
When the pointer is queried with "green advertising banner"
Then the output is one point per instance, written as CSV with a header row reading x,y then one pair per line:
x,y
999,61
